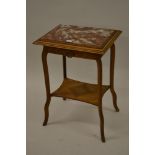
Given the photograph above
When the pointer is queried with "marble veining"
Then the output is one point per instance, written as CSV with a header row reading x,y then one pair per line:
x,y
84,36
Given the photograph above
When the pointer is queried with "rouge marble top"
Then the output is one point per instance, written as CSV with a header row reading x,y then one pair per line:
x,y
86,37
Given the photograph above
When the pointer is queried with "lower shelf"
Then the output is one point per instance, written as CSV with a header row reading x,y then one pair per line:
x,y
80,91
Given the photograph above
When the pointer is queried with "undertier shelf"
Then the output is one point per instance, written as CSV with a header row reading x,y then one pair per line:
x,y
80,91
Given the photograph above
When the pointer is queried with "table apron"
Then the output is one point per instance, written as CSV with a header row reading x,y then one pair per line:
x,y
72,53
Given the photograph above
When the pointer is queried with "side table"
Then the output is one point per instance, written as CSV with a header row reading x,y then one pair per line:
x,y
81,42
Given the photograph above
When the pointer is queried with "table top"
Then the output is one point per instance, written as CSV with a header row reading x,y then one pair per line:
x,y
86,39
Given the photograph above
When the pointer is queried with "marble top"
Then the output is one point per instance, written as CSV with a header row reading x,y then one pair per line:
x,y
78,36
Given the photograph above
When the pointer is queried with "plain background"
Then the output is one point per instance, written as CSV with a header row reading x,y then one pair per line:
x,y
13,77
74,126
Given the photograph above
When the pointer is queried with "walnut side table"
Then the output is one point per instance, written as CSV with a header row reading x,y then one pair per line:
x,y
81,42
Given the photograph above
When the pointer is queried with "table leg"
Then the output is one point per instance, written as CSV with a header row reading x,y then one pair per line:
x,y
112,61
99,67
64,70
47,84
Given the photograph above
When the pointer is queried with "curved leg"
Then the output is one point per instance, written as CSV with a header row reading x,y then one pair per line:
x,y
99,66
47,84
46,111
101,123
64,70
112,61
114,98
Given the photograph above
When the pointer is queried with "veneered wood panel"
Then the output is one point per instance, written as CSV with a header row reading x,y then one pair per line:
x,y
80,91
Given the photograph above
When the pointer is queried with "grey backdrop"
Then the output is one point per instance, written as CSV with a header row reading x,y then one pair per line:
x,y
73,127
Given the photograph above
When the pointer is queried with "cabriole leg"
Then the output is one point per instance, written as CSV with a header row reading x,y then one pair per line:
x,y
47,85
99,67
112,62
